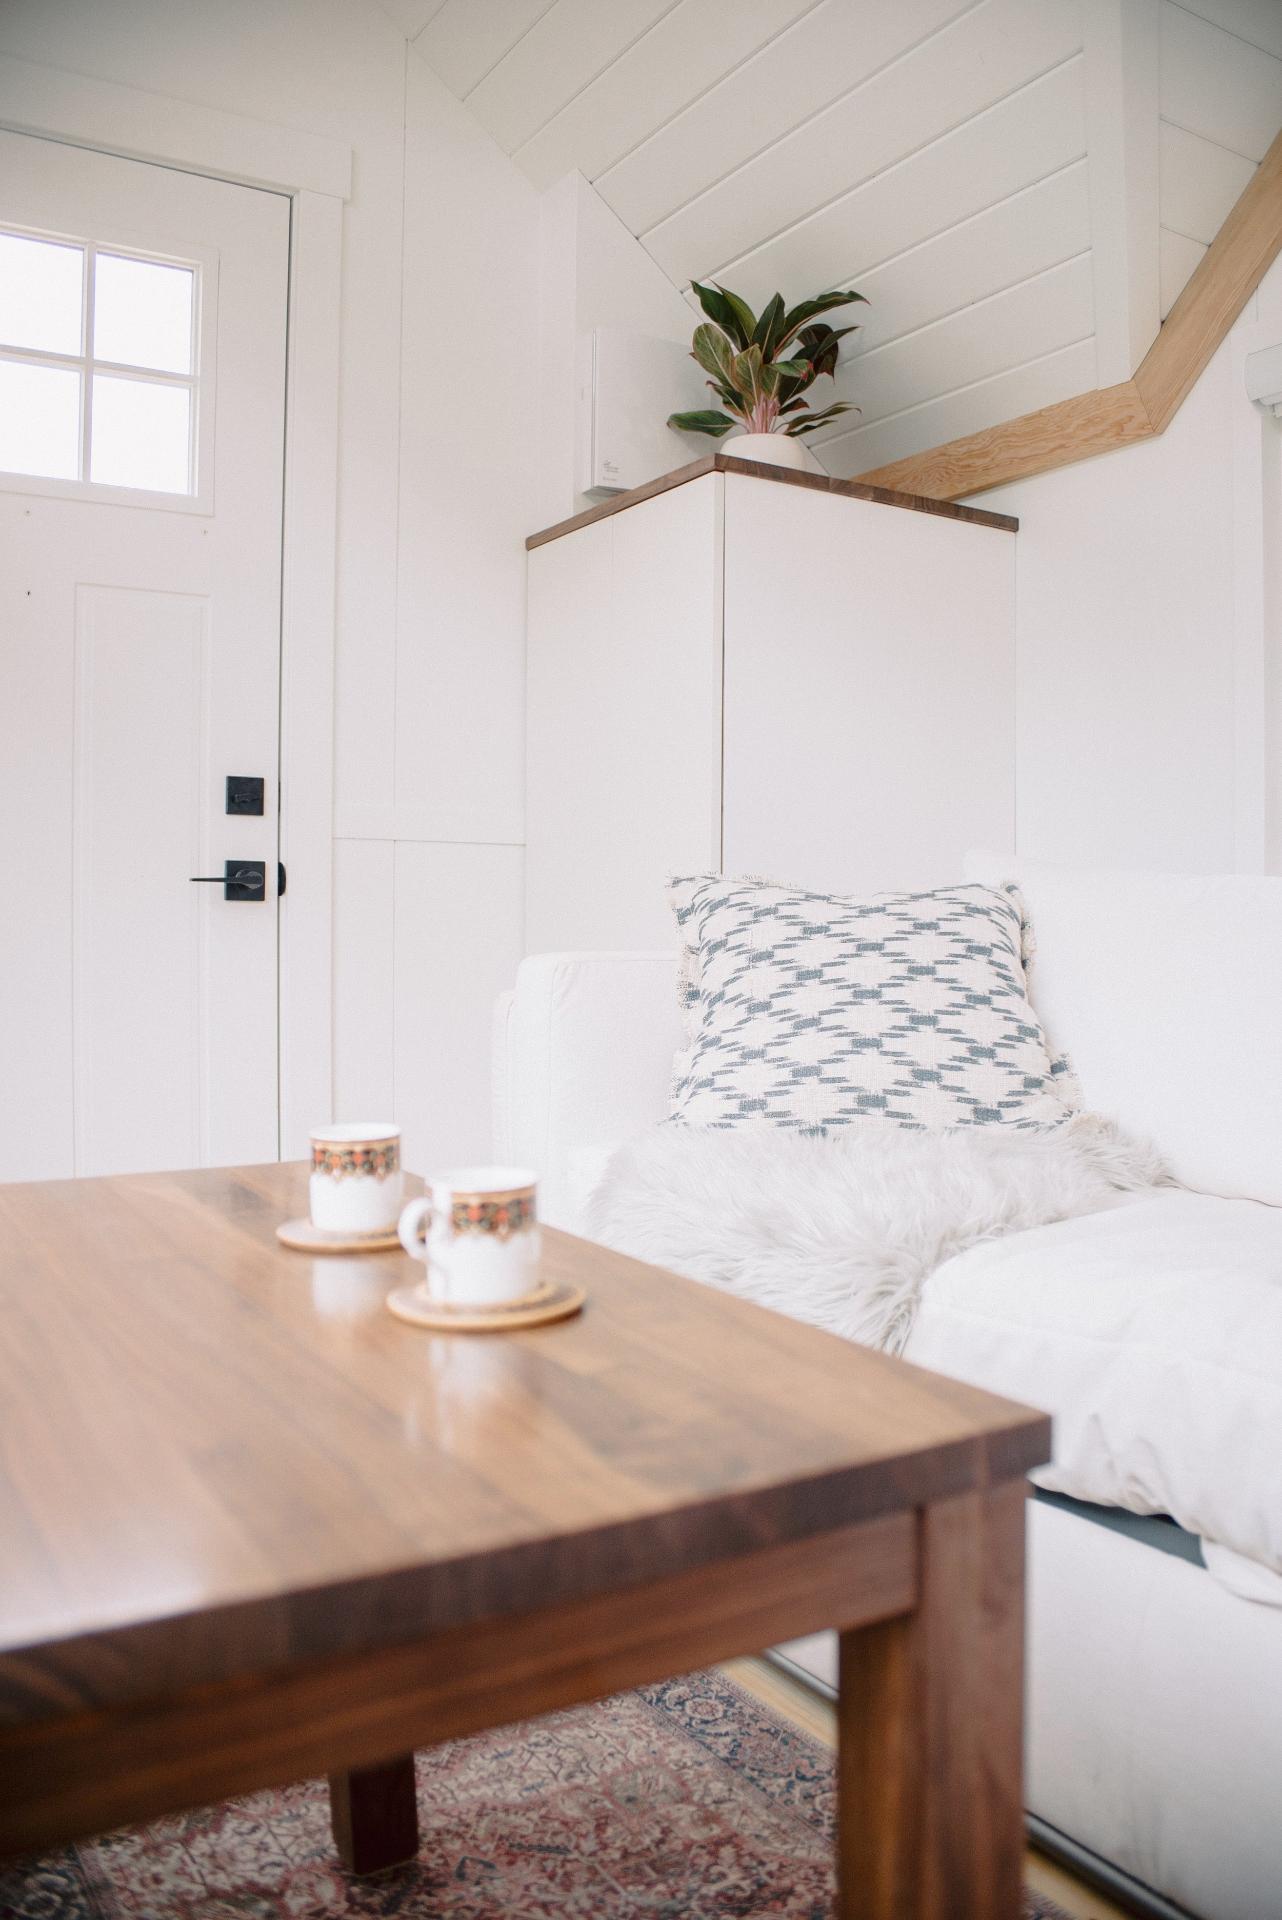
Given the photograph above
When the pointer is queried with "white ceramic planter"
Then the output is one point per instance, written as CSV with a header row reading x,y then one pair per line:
x,y
773,449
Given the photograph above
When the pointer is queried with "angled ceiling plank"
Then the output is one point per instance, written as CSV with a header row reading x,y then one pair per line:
x,y
1120,85
1110,417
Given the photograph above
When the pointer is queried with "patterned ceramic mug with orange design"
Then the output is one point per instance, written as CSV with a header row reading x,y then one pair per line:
x,y
356,1185
476,1229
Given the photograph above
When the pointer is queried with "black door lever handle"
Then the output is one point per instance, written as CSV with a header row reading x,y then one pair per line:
x,y
240,880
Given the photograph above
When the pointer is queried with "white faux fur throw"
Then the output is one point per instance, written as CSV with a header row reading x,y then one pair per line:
x,y
844,1230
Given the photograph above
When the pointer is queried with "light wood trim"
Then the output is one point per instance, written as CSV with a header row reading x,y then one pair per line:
x,y
87,1772
1225,278
1111,417
1056,436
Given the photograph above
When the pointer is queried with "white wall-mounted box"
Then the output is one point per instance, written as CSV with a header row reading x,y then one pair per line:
x,y
1263,371
627,385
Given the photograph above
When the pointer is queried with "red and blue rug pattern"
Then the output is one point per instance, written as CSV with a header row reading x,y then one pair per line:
x,y
685,1801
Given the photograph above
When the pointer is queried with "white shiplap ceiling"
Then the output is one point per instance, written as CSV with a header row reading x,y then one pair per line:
x,y
933,153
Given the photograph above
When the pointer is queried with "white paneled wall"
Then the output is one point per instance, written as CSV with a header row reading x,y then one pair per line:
x,y
956,74
592,274
1221,106
1149,637
686,53
467,482
930,153
886,225
458,938
430,767
985,171
791,82
435,498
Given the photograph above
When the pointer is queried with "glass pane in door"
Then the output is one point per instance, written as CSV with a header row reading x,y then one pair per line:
x,y
41,296
39,420
141,434
142,313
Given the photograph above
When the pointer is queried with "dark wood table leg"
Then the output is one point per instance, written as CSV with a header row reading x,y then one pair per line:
x,y
930,1729
375,1815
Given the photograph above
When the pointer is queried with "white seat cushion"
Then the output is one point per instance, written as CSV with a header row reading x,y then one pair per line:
x,y
1153,1333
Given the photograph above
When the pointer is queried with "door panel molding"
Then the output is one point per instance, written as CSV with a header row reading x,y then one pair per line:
x,y
315,173
141,660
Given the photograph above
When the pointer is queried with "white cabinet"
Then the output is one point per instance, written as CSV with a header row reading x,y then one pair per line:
x,y
777,677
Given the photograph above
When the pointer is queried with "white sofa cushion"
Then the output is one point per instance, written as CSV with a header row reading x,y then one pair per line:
x,y
1165,992
811,1010
1152,1332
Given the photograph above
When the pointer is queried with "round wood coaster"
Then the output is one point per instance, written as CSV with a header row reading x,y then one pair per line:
x,y
553,1300
309,1239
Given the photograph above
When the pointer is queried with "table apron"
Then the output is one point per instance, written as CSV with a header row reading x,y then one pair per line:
x,y
85,1773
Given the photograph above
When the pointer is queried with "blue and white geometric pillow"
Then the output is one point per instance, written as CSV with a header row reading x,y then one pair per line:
x,y
813,1010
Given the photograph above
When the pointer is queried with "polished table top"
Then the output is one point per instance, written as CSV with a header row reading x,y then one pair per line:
x,y
218,1455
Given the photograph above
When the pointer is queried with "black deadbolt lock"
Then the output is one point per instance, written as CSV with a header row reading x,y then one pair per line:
x,y
244,793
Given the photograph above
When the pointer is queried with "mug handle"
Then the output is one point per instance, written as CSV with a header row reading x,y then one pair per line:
x,y
410,1226
414,1219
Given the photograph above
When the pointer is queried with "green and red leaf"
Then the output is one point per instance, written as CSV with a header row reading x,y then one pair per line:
x,y
728,311
751,374
708,420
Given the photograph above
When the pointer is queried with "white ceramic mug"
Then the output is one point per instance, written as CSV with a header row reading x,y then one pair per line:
x,y
356,1182
476,1229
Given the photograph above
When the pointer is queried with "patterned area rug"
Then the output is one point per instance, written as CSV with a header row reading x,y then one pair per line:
x,y
686,1801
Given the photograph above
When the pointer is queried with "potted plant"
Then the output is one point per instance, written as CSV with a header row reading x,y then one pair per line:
x,y
762,367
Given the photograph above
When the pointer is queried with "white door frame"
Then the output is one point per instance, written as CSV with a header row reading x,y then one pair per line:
x,y
316,174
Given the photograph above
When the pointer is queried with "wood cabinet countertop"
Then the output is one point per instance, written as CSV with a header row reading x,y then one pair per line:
x,y
781,476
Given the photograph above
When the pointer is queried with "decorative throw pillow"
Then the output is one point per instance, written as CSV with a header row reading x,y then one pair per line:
x,y
812,1010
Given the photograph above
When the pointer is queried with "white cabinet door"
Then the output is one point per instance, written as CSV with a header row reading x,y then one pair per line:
x,y
623,775
140,552
869,689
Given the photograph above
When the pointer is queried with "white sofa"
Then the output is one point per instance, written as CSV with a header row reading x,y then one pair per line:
x,y
1152,1331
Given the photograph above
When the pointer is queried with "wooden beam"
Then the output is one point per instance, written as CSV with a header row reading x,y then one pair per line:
x,y
1095,422
1225,278
1110,417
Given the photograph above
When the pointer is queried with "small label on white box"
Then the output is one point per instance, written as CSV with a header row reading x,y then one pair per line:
x,y
636,382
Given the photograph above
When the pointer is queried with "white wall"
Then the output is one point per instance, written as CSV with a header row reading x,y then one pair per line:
x,y
593,274
932,154
1019,187
1220,103
1149,637
430,731
453,446
437,433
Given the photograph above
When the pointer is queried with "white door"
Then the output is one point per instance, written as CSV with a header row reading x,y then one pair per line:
x,y
142,385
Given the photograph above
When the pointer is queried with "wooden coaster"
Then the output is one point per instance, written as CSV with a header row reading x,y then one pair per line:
x,y
309,1239
553,1300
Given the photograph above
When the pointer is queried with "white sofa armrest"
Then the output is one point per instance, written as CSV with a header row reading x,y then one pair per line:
x,y
583,1052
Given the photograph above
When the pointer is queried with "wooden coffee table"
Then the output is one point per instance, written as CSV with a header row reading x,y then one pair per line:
x,y
253,1528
